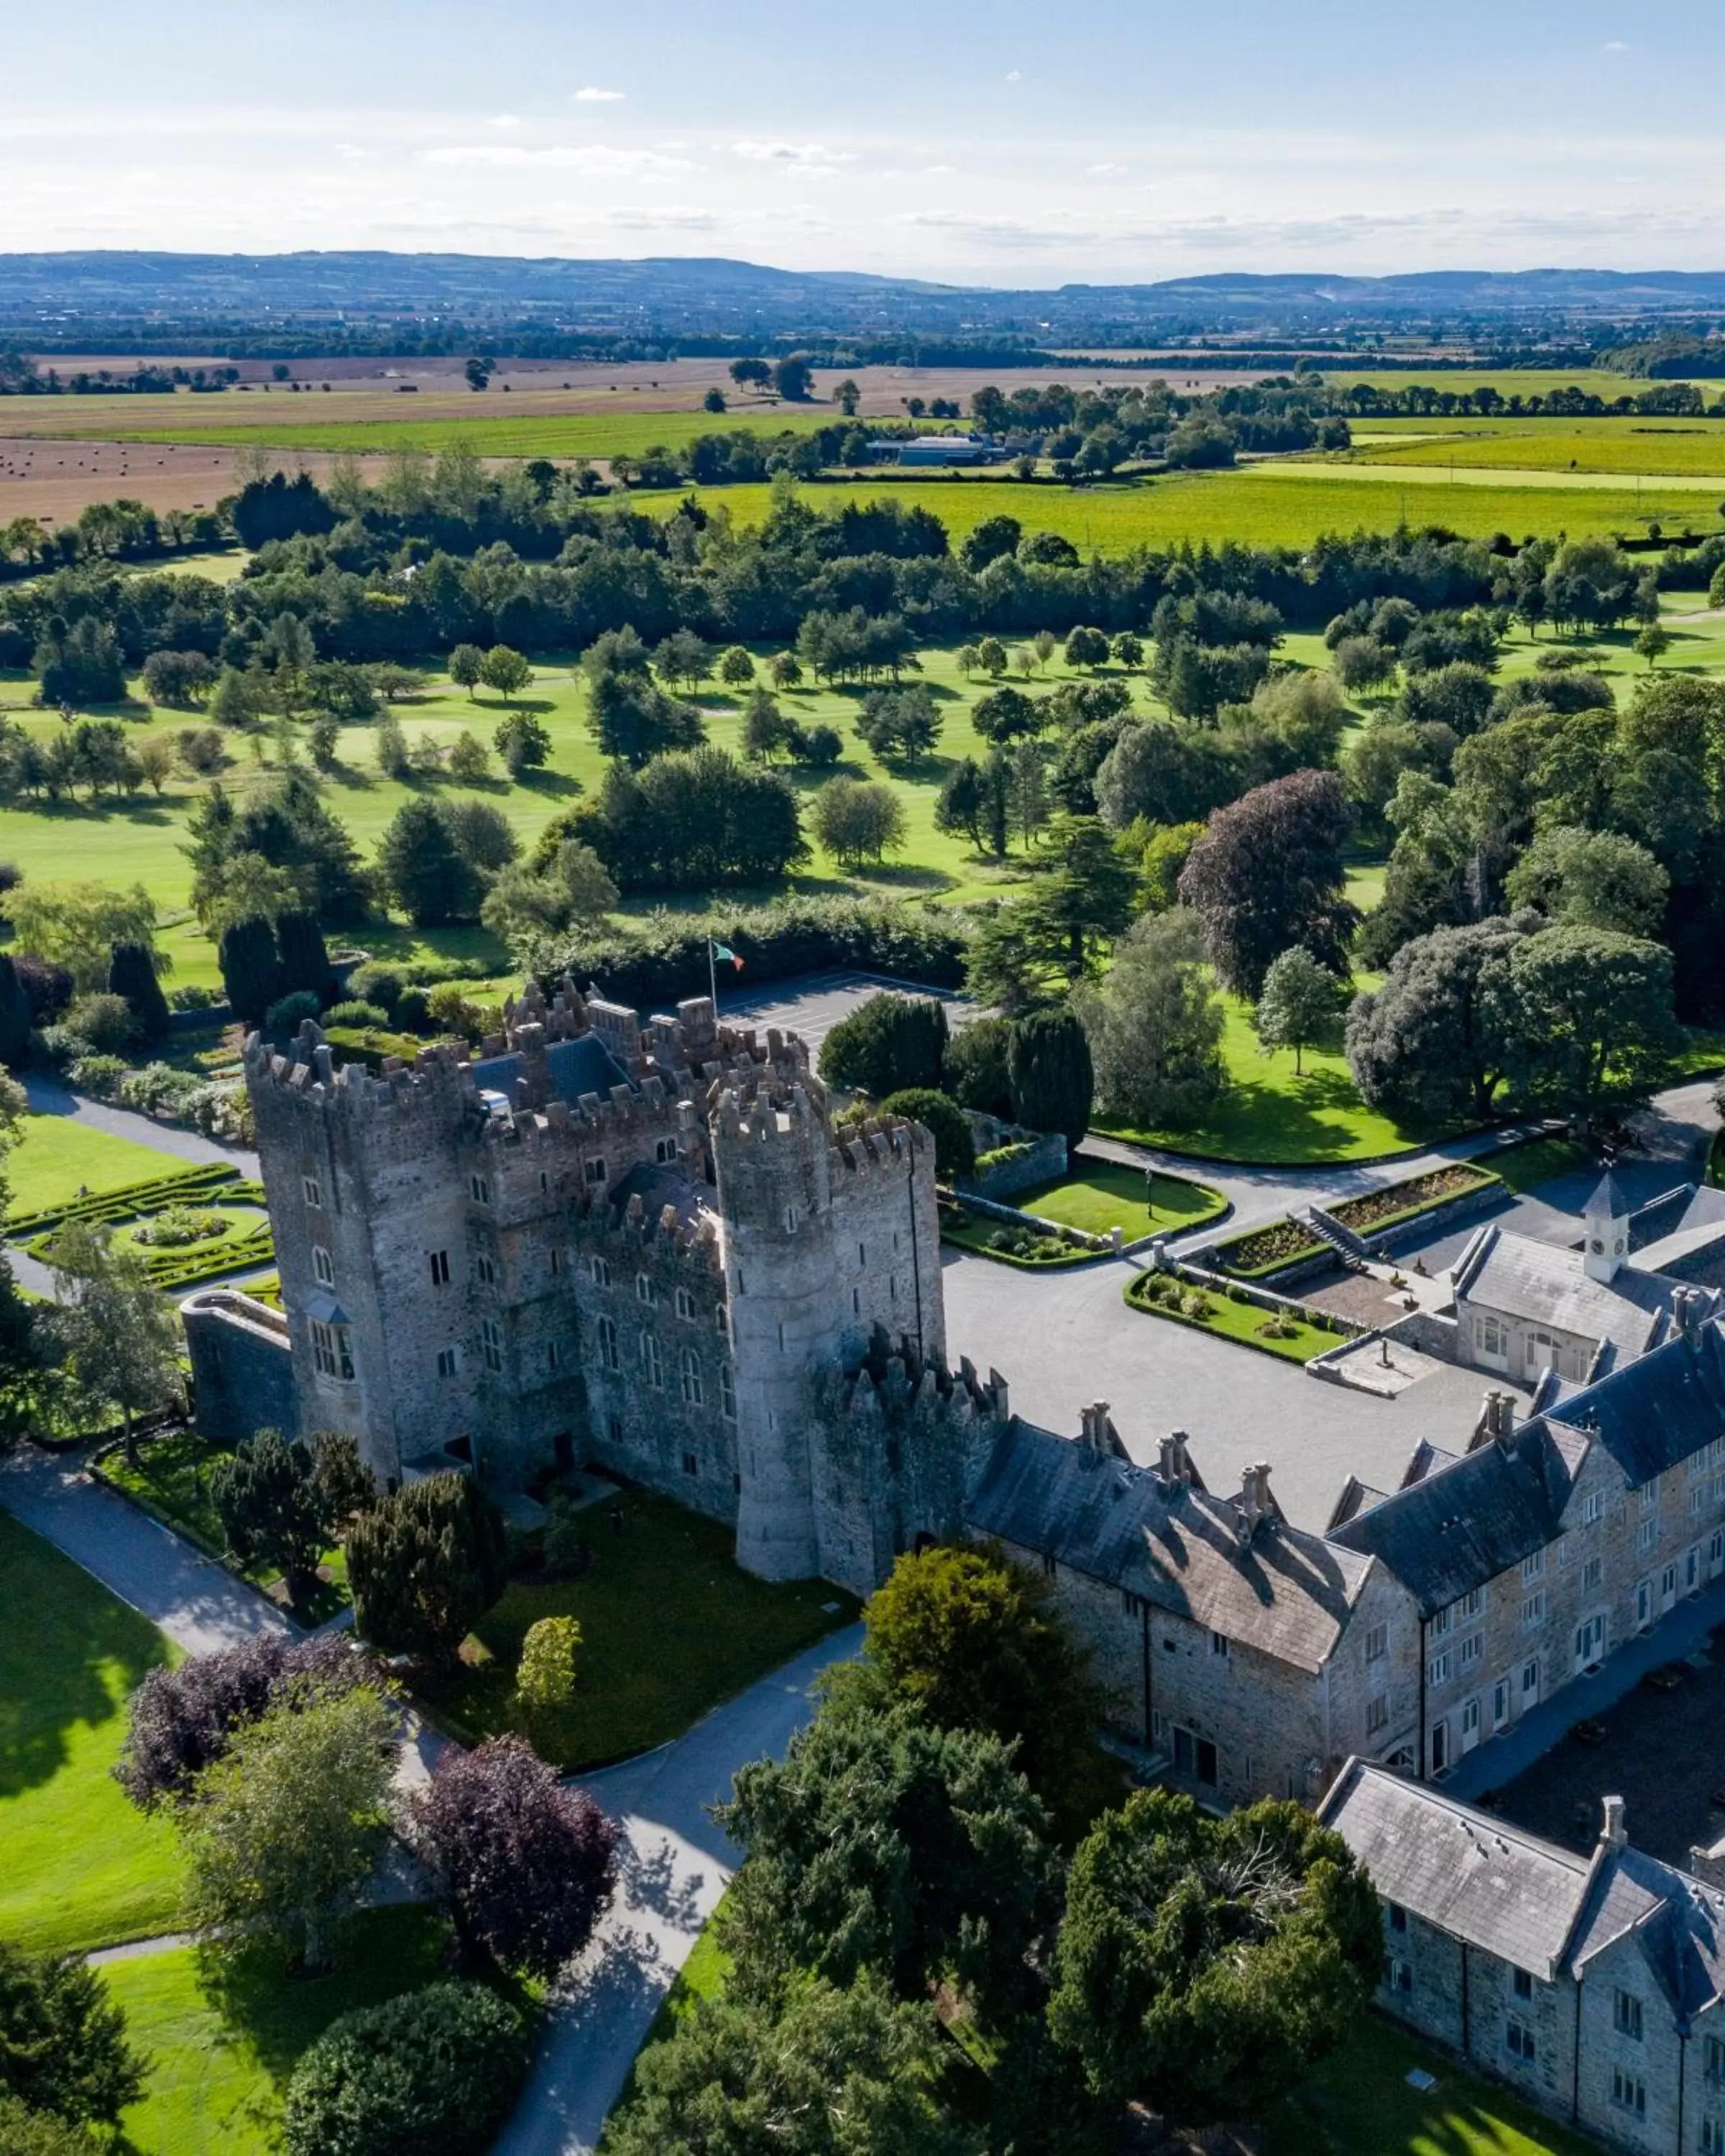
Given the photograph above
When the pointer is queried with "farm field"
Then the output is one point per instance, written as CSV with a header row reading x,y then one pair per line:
x,y
1275,503
627,431
1694,450
1507,381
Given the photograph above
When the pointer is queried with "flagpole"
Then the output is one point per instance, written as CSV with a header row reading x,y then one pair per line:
x,y
712,976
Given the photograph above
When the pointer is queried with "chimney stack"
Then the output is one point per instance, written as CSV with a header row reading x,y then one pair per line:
x,y
1612,1829
1174,1463
1253,1504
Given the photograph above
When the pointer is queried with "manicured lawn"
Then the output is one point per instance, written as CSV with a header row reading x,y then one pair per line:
x,y
56,1156
171,1482
1238,1320
670,1626
977,1232
1269,1115
220,2062
1359,2103
79,1867
1525,1167
1100,1195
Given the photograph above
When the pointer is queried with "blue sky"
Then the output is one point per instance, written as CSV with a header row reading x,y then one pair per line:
x,y
1001,143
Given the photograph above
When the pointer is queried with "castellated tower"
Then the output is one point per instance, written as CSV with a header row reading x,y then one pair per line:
x,y
828,1236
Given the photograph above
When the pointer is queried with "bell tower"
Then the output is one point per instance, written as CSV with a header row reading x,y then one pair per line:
x,y
1606,1221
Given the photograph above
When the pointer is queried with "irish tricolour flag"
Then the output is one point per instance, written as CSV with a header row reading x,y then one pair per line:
x,y
731,958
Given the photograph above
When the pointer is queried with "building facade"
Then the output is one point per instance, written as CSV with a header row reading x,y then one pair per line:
x,y
1594,1986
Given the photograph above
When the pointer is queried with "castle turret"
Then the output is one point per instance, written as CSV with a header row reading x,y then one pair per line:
x,y
827,1236
1606,1225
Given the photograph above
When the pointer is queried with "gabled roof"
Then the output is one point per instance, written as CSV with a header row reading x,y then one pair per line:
x,y
1677,1923
1653,1413
1541,1285
582,1066
1285,1592
1468,1873
1469,1520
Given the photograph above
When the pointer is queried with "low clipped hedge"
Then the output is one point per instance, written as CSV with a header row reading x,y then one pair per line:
x,y
433,2073
132,1199
1271,1249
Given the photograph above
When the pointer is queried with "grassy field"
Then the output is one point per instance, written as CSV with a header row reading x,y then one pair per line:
x,y
220,2065
1507,381
56,1157
1277,503
1099,1195
1242,1322
627,432
1669,448
81,1867
669,1627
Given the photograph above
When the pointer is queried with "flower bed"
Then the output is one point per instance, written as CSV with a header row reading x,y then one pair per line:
x,y
1396,1202
1247,1323
1272,1249
1009,1245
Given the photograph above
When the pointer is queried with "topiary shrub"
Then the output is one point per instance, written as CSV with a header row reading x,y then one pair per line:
x,y
435,2070
288,1013
131,974
357,1014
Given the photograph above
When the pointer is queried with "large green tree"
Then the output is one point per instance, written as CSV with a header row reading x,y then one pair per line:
x,y
63,2041
426,1563
115,1336
1428,1043
424,868
1298,1004
886,1043
1269,873
1049,1069
1205,1966
1591,880
1586,1016
267,1495
1155,1026
1075,912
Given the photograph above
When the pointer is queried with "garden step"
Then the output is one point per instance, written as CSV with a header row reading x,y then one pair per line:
x,y
1340,1237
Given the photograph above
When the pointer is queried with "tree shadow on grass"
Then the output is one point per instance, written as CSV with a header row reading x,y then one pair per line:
x,y
70,1654
558,785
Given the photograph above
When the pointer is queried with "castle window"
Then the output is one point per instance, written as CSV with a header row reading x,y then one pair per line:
x,y
1713,2055
1219,1645
1440,1623
1647,1536
1471,1604
1523,1983
439,1268
1397,1917
691,1466
1712,2136
664,1151
781,1336
595,1171
312,1188
1437,1670
790,1219
856,1302
1591,1574
485,1270
491,1339
1534,1609
331,1351
1519,2038
727,1393
652,1362
448,1361
544,1180
686,1304
607,1344
862,1255
615,1427
1629,2091
645,1290
553,1356
601,1272
1401,1974
1534,1568
693,1393
1377,1642
323,1266
1592,1507
479,1189
556,1262
1650,1495
1377,1714
719,1319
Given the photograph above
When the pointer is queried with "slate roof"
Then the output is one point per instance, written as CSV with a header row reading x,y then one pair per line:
x,y
1471,1518
1469,1873
1541,1285
1652,1414
1539,1907
1608,1200
1285,1593
582,1066
658,1184
1692,1247
1651,1222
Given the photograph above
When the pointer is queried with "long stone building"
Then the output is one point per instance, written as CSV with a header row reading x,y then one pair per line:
x,y
651,1250
1593,1985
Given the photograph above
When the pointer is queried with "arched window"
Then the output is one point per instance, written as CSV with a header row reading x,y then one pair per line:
x,y
727,1393
608,1344
652,1363
694,1395
323,1265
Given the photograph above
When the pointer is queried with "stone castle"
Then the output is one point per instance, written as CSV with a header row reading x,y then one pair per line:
x,y
646,1248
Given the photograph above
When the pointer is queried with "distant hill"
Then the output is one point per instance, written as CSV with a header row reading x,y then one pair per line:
x,y
64,298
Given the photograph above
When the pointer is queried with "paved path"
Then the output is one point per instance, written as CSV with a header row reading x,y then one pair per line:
x,y
199,1606
49,1096
675,1866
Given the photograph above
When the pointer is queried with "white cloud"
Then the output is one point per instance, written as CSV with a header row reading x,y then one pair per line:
x,y
505,120
596,159
1615,45
1106,172
647,218
590,94
1015,75
813,161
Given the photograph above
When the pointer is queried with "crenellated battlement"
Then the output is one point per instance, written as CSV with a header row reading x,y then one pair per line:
x,y
896,1379
885,1142
639,1229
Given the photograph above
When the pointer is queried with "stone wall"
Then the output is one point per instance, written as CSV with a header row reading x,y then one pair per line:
x,y
1043,1163
241,1365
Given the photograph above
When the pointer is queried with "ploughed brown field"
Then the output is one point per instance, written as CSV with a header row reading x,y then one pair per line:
x,y
52,481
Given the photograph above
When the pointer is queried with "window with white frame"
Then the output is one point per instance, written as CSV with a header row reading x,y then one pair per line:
x,y
1712,2136
1650,1495
727,1393
1471,1650
1629,2091
448,1361
491,1343
484,1270
1470,1605
1626,2014
1591,1572
664,1151
1518,2039
1377,1642
1401,1974
332,1351
1533,1567
686,1304
479,1189
608,1344
652,1362
1439,1628
1437,1670
1534,1609
694,1392
323,1266
645,1290
1593,1508
600,1268
1646,1537
312,1190
1489,1334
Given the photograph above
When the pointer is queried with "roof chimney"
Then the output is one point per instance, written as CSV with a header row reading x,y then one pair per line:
x,y
1174,1463
1612,1830
1253,1504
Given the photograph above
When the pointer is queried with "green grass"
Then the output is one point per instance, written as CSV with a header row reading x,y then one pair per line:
x,y
56,1157
1507,381
1269,1115
1665,448
1274,504
1525,1167
976,1231
627,431
81,1868
171,1482
1359,2103
1238,1321
1102,1195
670,1626
220,2062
